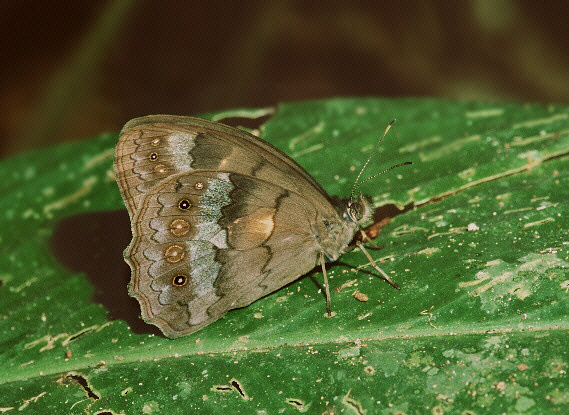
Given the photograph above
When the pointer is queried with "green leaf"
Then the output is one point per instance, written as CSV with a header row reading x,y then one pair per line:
x,y
480,249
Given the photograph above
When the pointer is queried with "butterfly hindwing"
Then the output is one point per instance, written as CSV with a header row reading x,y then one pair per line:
x,y
209,241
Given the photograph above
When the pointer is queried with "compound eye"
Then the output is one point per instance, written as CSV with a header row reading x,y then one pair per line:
x,y
356,211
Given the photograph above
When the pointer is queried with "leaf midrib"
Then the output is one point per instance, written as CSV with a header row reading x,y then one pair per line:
x,y
364,336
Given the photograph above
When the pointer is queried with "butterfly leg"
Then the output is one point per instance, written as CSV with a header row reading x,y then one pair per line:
x,y
367,239
326,285
385,276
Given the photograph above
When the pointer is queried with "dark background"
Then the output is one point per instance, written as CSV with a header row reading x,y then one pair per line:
x,y
74,69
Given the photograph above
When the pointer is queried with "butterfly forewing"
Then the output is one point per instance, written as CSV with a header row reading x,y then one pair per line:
x,y
156,147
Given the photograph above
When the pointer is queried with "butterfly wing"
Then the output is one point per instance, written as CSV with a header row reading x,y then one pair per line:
x,y
207,241
155,147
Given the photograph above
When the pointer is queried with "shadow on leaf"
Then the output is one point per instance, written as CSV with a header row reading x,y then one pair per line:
x,y
92,244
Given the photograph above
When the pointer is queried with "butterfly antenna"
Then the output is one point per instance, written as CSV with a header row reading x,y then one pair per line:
x,y
357,183
384,171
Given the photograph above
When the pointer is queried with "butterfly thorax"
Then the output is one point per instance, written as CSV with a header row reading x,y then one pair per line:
x,y
335,233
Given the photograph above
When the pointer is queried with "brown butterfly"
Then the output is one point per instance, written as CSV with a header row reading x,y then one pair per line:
x,y
221,218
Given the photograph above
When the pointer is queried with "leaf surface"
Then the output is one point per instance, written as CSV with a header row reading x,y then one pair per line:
x,y
481,253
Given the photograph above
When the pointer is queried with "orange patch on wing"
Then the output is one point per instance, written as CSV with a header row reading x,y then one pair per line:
x,y
252,230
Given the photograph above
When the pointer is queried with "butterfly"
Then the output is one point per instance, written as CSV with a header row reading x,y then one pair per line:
x,y
221,218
